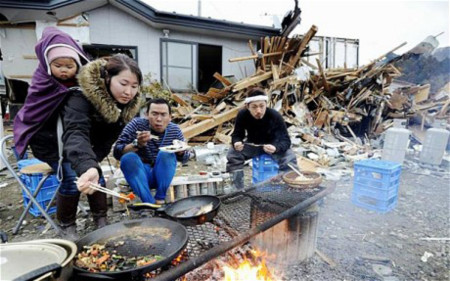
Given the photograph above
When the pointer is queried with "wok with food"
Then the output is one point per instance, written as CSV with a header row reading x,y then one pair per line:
x,y
103,258
127,250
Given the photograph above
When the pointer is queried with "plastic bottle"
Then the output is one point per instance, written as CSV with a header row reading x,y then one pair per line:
x,y
433,147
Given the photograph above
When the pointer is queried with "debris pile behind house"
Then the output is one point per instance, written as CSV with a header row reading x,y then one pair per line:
x,y
333,112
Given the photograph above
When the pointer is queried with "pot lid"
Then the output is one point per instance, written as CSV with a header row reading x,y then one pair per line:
x,y
17,259
69,246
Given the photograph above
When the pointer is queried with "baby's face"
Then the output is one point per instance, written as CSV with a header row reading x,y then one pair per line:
x,y
63,68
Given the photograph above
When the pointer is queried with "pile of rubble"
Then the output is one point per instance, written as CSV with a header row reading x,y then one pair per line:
x,y
330,112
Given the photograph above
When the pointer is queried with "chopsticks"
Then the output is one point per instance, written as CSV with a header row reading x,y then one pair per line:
x,y
151,136
253,144
107,191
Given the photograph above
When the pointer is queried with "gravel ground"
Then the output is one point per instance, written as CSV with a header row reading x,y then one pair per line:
x,y
410,242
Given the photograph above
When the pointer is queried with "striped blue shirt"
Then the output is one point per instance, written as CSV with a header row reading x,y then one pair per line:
x,y
150,151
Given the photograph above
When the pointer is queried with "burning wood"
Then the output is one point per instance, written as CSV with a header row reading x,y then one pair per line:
x,y
243,263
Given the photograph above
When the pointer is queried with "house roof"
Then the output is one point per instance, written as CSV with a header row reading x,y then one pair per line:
x,y
59,9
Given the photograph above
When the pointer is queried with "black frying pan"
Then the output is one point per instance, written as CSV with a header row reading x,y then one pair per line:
x,y
150,236
183,210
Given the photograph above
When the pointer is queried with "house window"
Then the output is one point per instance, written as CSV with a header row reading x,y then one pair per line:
x,y
179,64
96,51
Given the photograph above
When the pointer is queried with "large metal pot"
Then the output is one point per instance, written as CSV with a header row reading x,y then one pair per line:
x,y
67,264
32,261
150,236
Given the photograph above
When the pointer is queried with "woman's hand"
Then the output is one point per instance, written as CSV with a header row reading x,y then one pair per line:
x,y
84,181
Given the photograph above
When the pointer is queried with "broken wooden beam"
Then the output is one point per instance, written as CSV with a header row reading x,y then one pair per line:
x,y
206,125
257,56
222,79
244,83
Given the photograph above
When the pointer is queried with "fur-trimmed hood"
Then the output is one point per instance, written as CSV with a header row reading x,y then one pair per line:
x,y
94,89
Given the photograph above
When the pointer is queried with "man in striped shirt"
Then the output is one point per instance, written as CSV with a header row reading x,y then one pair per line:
x,y
142,163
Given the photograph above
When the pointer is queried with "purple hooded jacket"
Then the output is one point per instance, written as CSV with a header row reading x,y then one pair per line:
x,y
45,92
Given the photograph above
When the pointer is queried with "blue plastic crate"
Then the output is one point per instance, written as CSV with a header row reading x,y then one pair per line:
x,y
370,203
264,162
377,173
377,193
31,182
263,168
259,177
35,211
44,196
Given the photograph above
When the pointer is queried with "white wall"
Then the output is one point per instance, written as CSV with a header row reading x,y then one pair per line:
x,y
109,25
16,44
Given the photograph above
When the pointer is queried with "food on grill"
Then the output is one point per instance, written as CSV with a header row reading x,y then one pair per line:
x,y
96,258
195,211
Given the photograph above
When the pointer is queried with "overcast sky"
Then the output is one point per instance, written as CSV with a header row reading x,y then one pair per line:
x,y
380,25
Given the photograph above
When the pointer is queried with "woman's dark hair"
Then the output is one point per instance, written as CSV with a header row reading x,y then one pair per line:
x,y
158,101
255,91
120,62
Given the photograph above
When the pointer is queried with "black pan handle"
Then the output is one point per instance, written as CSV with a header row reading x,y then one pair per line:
x,y
91,276
161,210
41,271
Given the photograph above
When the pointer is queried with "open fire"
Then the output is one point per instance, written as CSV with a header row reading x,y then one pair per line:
x,y
247,271
239,264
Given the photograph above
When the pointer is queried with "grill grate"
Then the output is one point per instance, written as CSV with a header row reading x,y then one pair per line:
x,y
240,212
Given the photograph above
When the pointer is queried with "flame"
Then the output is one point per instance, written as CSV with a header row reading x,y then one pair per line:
x,y
247,271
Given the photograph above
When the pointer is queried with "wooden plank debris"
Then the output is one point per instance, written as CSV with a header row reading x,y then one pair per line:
x,y
348,105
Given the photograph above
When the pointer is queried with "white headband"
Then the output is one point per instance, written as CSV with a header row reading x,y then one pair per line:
x,y
255,98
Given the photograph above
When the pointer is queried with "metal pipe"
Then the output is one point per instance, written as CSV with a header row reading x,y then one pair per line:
x,y
195,262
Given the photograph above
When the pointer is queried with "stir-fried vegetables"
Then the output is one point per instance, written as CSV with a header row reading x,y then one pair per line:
x,y
96,258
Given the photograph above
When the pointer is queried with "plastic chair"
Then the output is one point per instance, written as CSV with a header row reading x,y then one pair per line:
x,y
41,168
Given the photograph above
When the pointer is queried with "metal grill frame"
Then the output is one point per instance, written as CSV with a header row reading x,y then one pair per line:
x,y
233,225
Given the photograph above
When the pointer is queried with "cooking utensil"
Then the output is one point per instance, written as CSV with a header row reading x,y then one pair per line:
x,y
307,179
176,209
67,264
254,144
295,170
150,236
28,261
151,136
107,191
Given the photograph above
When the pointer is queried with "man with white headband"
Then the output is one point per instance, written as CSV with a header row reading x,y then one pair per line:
x,y
258,130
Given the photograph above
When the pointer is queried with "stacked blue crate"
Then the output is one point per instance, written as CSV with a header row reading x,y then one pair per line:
x,y
31,182
264,167
375,184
